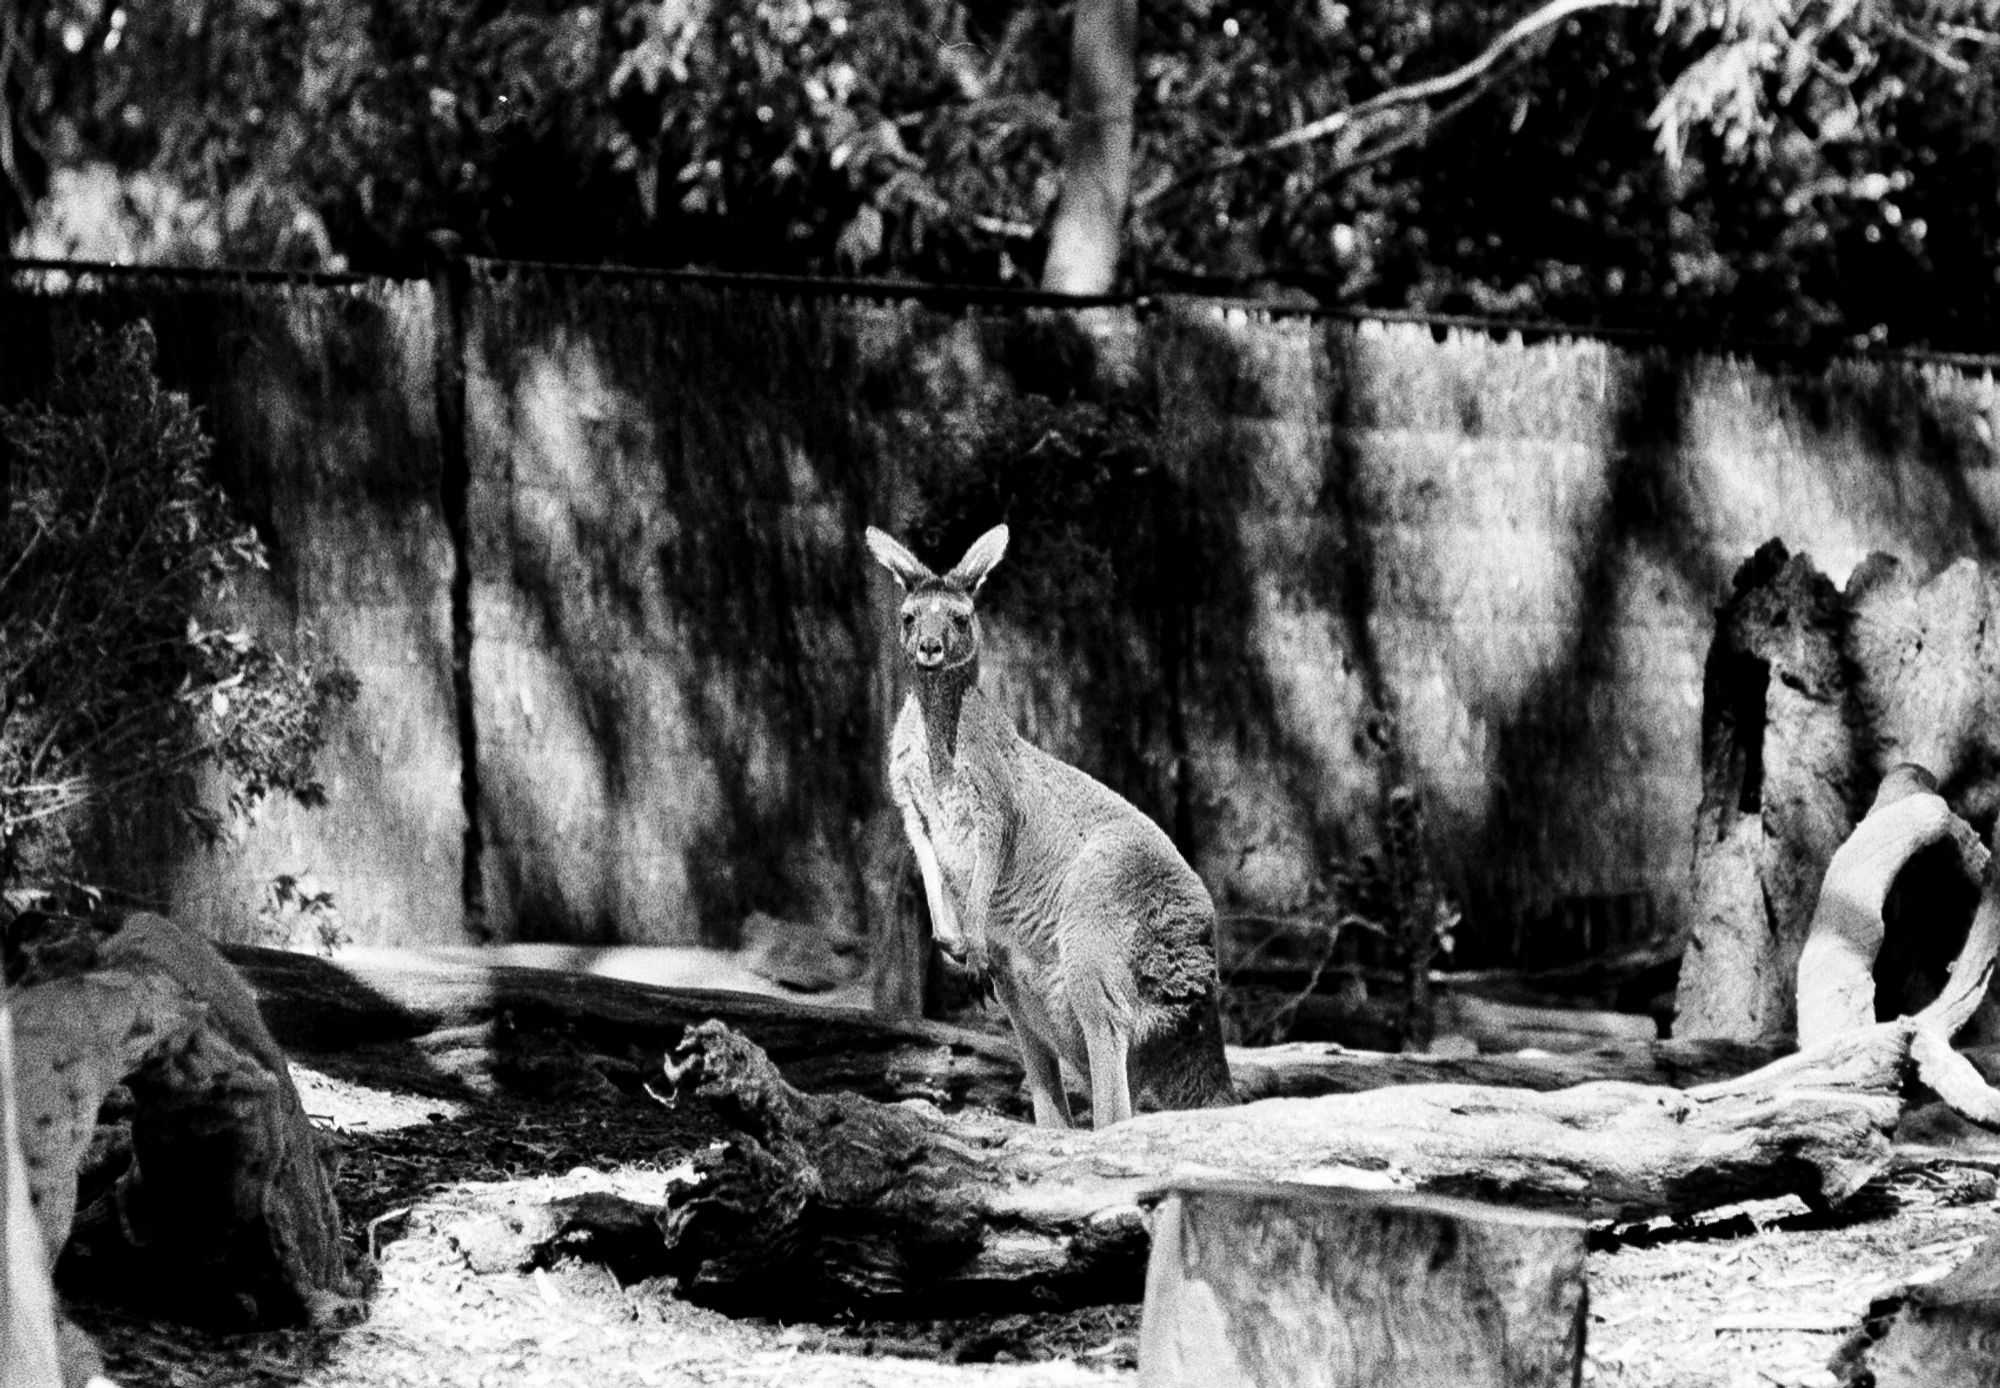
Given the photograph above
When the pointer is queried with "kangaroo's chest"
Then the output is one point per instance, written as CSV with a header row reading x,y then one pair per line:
x,y
954,812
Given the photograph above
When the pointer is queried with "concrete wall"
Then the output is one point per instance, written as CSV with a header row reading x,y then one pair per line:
x,y
1261,568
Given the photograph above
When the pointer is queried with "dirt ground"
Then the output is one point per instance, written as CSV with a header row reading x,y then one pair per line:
x,y
1753,1295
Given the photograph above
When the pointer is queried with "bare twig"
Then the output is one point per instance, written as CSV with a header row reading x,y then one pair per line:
x,y
1339,122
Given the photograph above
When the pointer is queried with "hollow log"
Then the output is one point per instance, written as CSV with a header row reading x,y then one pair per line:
x,y
1836,970
1282,1285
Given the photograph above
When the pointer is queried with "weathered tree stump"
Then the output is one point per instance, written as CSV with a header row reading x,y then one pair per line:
x,y
213,1200
1286,1286
1810,696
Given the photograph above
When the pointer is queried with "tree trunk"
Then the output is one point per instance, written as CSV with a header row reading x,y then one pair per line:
x,y
1088,232
1302,1285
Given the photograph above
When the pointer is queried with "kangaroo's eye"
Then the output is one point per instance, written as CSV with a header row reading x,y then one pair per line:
x,y
909,620
961,620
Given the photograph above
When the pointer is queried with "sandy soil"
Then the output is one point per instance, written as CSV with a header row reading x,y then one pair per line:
x,y
1754,1295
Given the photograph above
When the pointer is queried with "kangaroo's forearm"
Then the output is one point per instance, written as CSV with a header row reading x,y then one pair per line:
x,y
944,921
978,903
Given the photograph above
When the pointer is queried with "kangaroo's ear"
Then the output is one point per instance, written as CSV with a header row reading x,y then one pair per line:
x,y
909,571
979,560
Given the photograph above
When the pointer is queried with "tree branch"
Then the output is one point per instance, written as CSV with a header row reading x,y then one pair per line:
x,y
1480,70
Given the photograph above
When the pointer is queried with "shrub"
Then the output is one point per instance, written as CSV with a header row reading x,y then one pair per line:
x,y
117,552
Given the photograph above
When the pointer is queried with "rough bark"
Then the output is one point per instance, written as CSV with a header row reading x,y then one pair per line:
x,y
1294,1285
1088,231
209,1197
1777,782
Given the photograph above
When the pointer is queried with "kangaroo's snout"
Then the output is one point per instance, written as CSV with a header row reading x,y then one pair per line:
x,y
929,652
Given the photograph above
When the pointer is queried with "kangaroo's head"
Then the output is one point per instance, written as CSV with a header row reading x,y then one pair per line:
x,y
940,627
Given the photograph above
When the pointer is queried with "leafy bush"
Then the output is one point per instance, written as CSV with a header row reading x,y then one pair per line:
x,y
117,553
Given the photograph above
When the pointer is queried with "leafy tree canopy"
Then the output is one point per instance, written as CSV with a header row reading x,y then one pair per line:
x,y
1821,172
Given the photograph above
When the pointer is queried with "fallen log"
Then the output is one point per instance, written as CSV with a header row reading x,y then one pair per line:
x,y
827,1202
823,1202
1302,1070
449,1023
1350,1017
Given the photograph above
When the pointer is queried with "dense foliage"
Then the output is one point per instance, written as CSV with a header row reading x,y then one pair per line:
x,y
118,547
1853,200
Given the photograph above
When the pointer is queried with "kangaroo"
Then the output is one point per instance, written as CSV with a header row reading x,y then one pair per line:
x,y
1049,887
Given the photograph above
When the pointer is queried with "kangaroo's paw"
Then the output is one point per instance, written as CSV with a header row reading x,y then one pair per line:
x,y
971,970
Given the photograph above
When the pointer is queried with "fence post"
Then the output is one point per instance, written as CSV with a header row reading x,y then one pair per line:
x,y
450,281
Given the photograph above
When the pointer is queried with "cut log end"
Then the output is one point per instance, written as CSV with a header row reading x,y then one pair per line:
x,y
1274,1284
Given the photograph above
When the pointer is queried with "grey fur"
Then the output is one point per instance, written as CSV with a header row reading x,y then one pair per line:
x,y
1094,931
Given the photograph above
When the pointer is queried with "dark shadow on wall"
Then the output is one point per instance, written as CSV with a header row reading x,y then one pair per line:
x,y
1273,544
1561,774
299,388
720,561
1057,443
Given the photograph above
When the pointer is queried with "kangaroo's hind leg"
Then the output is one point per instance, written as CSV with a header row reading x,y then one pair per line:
x,y
1038,1058
1104,1005
1109,1041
